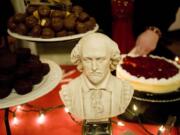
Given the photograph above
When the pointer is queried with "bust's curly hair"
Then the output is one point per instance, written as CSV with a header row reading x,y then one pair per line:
x,y
112,47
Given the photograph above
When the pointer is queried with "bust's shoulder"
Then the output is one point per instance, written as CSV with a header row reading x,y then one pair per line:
x,y
71,88
120,82
74,83
116,80
76,80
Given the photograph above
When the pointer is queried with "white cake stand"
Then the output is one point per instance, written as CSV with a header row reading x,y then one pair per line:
x,y
48,83
65,38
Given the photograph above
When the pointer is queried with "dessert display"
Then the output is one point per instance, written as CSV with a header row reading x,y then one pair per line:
x,y
46,22
20,70
150,73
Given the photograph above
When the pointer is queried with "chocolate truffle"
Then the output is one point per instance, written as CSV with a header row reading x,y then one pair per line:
x,y
31,21
47,33
70,22
77,10
23,86
36,78
61,33
5,92
36,31
19,17
23,54
34,67
11,24
58,13
44,11
30,9
45,68
6,80
81,27
91,23
33,59
57,23
21,29
22,72
8,63
83,16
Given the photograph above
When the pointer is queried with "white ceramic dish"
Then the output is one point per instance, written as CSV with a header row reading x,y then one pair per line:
x,y
23,37
49,82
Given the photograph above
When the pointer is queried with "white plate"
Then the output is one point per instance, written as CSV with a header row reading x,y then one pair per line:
x,y
18,36
48,83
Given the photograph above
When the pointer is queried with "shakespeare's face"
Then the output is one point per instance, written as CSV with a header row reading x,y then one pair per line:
x,y
95,61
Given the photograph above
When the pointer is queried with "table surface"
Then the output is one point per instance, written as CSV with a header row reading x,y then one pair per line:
x,y
57,121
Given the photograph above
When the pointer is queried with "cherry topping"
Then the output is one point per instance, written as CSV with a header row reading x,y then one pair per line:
x,y
149,67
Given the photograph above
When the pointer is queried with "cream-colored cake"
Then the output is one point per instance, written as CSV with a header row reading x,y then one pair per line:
x,y
146,79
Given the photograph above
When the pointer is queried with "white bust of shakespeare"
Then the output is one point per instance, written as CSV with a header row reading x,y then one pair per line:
x,y
96,94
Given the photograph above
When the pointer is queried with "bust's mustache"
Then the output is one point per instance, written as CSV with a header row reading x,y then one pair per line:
x,y
95,73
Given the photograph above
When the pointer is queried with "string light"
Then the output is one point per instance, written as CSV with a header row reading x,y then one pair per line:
x,y
41,118
15,121
177,59
135,108
66,109
18,108
119,123
162,128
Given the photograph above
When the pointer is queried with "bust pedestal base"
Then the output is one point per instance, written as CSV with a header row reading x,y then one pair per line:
x,y
97,128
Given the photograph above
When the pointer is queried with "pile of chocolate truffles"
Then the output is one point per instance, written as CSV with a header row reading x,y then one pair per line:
x,y
45,22
20,70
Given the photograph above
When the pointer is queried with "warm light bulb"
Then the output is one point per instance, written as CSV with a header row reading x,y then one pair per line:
x,y
15,121
161,128
120,123
135,108
41,118
66,109
177,59
19,107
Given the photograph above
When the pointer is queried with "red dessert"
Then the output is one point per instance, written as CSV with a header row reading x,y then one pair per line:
x,y
150,73
149,67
